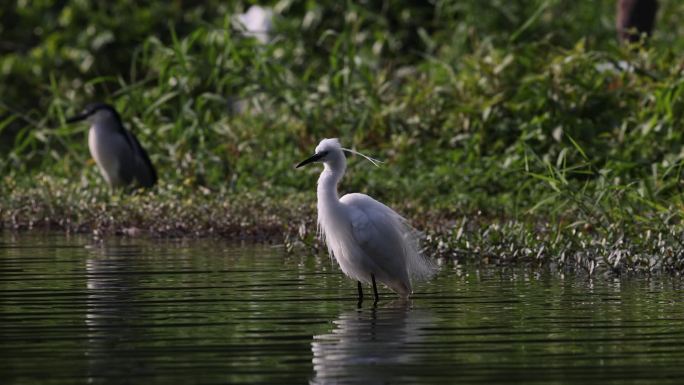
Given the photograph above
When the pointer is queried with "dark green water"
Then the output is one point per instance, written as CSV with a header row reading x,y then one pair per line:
x,y
204,312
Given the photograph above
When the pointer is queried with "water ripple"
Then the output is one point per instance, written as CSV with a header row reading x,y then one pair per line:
x,y
207,312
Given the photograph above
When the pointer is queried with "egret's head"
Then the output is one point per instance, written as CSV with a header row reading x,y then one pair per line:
x,y
96,112
328,151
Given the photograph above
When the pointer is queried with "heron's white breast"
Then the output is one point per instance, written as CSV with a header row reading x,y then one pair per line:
x,y
109,149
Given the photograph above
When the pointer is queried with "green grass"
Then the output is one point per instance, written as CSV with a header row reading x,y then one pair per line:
x,y
502,140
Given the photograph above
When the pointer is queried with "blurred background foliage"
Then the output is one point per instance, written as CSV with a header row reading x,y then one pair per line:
x,y
510,107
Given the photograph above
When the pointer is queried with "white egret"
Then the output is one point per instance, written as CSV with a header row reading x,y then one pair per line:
x,y
117,152
369,240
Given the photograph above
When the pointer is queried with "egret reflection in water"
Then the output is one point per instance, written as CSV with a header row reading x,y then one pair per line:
x,y
370,346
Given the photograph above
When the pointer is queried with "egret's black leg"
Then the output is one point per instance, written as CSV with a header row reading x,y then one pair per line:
x,y
360,294
375,289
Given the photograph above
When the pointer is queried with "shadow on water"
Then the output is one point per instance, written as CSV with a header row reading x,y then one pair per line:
x,y
370,346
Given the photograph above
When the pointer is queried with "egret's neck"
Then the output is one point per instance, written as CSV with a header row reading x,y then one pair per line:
x,y
327,184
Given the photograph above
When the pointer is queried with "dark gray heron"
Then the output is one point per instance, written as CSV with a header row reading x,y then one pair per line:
x,y
117,152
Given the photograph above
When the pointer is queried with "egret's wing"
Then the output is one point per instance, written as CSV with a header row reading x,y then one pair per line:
x,y
374,225
362,227
386,237
378,232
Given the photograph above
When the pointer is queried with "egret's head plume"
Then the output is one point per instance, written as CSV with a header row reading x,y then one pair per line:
x,y
375,162
333,144
330,150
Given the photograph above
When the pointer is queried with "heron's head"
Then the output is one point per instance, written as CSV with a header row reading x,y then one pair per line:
x,y
96,112
328,151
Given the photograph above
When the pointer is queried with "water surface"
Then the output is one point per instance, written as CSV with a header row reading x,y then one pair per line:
x,y
206,312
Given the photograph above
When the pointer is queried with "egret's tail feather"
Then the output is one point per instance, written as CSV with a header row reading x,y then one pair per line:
x,y
419,266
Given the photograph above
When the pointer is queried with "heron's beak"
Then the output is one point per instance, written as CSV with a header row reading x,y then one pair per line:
x,y
314,158
77,118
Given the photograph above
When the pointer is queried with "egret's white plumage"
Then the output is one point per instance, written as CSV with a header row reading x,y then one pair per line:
x,y
367,238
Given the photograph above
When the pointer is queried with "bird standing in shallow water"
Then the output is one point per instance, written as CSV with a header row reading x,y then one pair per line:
x,y
369,240
117,152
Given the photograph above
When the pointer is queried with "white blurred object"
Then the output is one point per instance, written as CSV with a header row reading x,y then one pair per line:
x,y
257,22
619,66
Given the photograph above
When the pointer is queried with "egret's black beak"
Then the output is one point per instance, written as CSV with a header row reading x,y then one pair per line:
x,y
314,158
77,118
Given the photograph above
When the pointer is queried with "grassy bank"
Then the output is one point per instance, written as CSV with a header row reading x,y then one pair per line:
x,y
507,131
